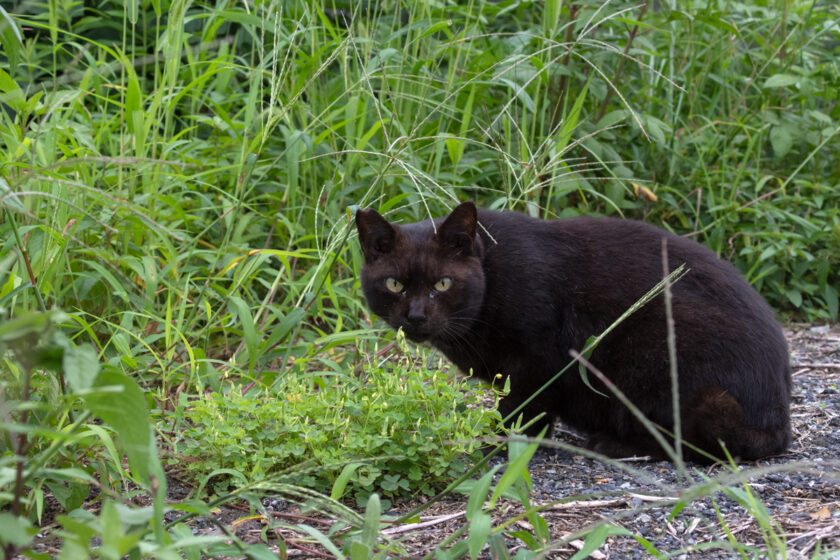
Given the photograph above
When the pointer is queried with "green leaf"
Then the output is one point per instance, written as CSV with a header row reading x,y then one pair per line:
x,y
14,530
780,80
28,323
794,296
781,139
295,148
570,121
540,526
8,24
133,98
323,540
654,127
466,117
246,19
70,496
480,526
589,345
10,39
521,94
81,366
526,537
181,533
455,148
284,326
479,492
11,93
10,201
390,482
596,538
458,550
370,530
341,482
121,343
434,28
248,329
259,551
831,301
613,117
498,548
678,507
120,403
358,551
108,279
523,554
517,468
715,20
131,7
551,15
80,527
648,546
116,542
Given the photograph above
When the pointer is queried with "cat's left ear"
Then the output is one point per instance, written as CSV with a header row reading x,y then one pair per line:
x,y
376,235
458,229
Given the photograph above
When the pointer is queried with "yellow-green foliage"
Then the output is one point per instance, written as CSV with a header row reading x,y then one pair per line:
x,y
408,427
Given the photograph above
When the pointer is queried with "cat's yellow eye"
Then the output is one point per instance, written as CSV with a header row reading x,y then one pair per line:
x,y
393,285
443,284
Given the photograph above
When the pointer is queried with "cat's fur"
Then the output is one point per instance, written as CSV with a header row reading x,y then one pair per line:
x,y
523,292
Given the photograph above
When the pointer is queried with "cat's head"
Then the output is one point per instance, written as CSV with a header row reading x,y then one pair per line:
x,y
426,277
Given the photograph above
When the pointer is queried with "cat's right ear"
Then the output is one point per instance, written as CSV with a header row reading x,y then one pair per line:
x,y
376,235
458,229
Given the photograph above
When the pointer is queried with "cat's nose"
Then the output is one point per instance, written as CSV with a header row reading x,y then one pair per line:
x,y
416,315
416,319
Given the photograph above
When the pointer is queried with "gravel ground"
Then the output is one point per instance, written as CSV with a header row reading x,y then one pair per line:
x,y
799,491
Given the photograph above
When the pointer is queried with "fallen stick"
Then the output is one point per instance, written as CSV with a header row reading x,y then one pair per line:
x,y
423,524
612,502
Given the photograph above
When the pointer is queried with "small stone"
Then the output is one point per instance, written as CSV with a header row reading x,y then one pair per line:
x,y
644,518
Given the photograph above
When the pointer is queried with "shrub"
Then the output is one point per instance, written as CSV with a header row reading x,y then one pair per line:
x,y
392,431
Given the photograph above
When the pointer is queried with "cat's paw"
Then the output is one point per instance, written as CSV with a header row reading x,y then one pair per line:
x,y
623,449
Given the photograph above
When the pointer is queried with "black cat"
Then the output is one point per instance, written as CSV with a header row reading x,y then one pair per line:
x,y
500,292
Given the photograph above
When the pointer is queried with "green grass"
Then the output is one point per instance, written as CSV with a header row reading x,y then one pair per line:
x,y
178,178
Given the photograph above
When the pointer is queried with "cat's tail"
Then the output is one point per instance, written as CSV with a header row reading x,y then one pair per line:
x,y
713,415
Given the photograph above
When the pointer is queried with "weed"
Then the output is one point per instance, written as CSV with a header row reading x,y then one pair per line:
x,y
398,431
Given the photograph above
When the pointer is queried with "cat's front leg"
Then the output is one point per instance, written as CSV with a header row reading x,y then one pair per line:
x,y
643,445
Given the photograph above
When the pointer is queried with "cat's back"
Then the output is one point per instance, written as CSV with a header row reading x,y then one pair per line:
x,y
621,248
584,234
611,262
628,255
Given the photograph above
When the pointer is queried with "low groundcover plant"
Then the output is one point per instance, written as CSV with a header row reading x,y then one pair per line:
x,y
392,431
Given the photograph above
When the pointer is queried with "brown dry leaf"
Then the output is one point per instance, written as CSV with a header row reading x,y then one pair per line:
x,y
821,515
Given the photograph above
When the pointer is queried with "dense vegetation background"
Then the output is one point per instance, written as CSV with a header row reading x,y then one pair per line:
x,y
178,178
